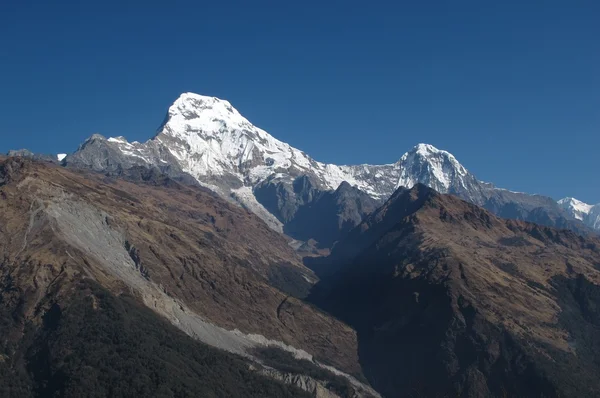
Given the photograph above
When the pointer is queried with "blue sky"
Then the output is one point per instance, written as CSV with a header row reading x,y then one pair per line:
x,y
511,88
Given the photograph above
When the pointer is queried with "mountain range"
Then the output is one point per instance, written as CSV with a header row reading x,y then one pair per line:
x,y
215,260
205,140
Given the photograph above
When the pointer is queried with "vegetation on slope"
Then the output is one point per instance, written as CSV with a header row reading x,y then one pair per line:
x,y
99,345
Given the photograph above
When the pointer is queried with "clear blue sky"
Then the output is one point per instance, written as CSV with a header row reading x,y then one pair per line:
x,y
511,87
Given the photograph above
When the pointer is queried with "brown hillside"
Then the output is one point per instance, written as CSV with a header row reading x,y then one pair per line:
x,y
187,254
450,300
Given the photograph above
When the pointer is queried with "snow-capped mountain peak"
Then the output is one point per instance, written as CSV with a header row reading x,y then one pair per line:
x,y
210,137
425,149
436,168
202,113
576,208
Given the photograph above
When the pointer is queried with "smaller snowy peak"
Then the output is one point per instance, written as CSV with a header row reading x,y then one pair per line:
x,y
576,208
427,150
428,165
572,202
60,157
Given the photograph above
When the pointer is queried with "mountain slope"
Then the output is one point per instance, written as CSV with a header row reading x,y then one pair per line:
x,y
212,269
92,343
449,300
206,140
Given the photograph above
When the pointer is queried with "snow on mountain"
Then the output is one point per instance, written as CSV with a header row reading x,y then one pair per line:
x,y
593,218
61,156
439,170
208,139
588,214
426,162
576,208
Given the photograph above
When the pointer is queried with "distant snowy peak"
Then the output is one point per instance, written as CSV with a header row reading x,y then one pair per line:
x,y
588,214
439,170
576,208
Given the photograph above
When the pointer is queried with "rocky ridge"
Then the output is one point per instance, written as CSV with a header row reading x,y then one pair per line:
x,y
450,300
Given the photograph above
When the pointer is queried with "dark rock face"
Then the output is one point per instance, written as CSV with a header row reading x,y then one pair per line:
x,y
283,199
310,213
449,300
331,215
